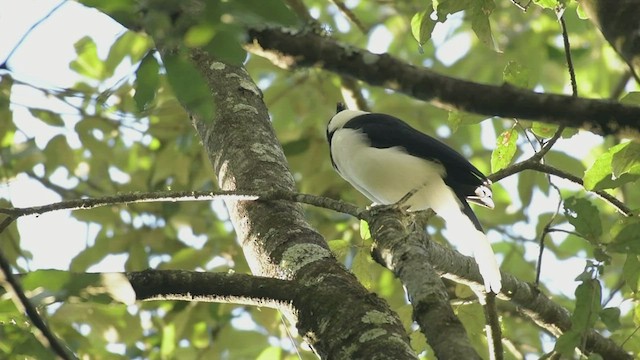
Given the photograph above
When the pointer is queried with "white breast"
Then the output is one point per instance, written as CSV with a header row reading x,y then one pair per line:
x,y
386,175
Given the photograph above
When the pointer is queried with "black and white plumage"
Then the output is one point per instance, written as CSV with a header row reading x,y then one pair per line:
x,y
384,159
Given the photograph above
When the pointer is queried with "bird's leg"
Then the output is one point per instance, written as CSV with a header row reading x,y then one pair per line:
x,y
400,205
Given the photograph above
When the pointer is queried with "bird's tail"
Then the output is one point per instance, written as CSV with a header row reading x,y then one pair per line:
x,y
462,225
487,264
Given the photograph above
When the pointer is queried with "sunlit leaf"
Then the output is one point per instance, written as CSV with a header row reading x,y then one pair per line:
x,y
422,25
626,160
130,44
600,174
544,130
505,150
272,352
87,62
631,98
547,4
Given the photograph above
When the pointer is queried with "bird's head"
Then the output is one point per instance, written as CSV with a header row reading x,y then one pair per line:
x,y
342,116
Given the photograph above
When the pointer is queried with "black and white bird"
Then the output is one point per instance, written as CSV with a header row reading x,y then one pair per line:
x,y
385,159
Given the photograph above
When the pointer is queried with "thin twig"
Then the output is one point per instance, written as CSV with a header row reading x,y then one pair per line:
x,y
29,30
547,169
492,327
175,196
567,52
48,339
352,94
350,15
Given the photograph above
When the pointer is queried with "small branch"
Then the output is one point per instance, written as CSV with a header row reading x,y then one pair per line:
x,y
214,287
547,169
492,327
28,32
350,15
47,338
567,52
6,222
174,196
352,94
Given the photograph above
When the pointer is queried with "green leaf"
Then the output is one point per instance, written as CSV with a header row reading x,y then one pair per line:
x,y
446,7
505,150
567,342
365,233
547,4
544,130
422,26
457,118
59,153
131,44
599,175
611,318
480,22
584,216
296,147
516,74
259,12
123,11
631,272
188,86
147,80
199,35
225,46
626,160
47,116
631,98
361,268
272,352
88,63
588,299
627,241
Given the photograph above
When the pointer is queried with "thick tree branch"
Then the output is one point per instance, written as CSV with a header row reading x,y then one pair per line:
x,y
275,237
288,48
402,251
214,287
619,24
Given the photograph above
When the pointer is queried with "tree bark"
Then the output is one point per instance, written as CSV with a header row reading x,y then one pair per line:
x,y
619,22
341,320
